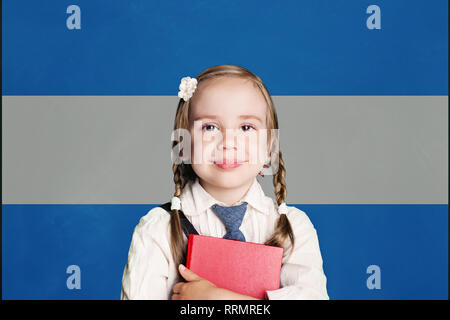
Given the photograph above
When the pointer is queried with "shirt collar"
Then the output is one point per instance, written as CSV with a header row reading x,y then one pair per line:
x,y
195,199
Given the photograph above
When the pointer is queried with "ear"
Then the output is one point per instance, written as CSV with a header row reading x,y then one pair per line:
x,y
270,148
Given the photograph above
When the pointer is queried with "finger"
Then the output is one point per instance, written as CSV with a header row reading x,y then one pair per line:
x,y
175,297
187,274
177,287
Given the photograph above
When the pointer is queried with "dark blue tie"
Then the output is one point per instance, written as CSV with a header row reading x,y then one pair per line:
x,y
232,219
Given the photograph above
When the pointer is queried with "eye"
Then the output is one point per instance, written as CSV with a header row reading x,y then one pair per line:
x,y
248,127
207,127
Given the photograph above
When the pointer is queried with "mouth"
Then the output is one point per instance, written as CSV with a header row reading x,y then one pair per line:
x,y
229,164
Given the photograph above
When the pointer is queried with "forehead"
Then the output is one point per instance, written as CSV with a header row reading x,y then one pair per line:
x,y
228,97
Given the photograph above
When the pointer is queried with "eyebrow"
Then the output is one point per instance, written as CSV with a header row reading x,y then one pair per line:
x,y
246,116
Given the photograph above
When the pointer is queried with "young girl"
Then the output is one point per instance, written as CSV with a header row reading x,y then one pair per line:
x,y
221,196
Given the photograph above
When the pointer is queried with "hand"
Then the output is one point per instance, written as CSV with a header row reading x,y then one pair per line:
x,y
195,287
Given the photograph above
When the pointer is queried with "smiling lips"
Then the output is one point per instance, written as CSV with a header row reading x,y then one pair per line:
x,y
227,164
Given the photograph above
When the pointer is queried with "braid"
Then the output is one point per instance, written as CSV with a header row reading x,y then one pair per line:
x,y
283,228
177,243
279,181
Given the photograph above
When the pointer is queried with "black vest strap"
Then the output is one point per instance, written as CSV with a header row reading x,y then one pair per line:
x,y
188,228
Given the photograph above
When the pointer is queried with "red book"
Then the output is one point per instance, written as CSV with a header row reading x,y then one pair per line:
x,y
244,267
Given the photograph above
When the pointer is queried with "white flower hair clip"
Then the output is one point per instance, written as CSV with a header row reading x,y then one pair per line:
x,y
187,88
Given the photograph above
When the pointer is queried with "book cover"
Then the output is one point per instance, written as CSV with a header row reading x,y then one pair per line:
x,y
244,267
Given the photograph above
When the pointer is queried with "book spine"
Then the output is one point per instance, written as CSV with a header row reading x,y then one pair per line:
x,y
189,251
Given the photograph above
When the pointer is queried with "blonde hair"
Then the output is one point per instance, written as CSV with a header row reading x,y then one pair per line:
x,y
183,173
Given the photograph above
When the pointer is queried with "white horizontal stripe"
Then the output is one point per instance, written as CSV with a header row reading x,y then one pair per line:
x,y
116,149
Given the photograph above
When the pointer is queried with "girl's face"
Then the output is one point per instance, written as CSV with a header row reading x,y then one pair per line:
x,y
227,117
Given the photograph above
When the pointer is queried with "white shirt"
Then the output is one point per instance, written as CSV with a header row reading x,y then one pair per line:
x,y
150,272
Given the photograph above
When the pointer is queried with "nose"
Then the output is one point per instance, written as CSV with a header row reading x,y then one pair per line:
x,y
228,140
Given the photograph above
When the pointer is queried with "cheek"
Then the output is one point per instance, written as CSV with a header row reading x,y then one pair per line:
x,y
256,150
203,144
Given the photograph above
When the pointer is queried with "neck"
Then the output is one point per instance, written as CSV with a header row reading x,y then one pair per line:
x,y
229,196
